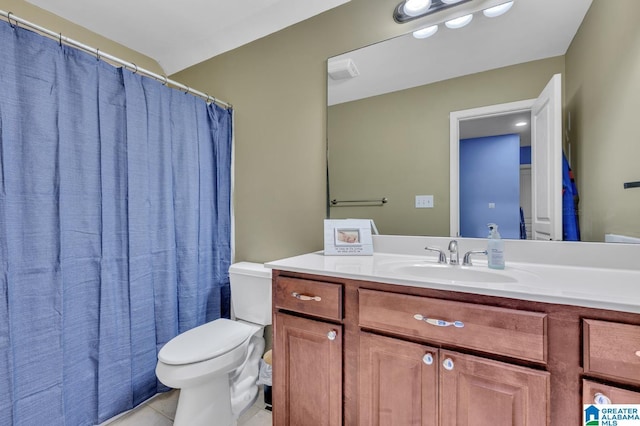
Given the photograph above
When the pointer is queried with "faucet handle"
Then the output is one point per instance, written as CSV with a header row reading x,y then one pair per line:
x,y
453,250
442,258
466,261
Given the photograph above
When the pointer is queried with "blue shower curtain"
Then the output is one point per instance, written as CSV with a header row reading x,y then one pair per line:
x,y
114,229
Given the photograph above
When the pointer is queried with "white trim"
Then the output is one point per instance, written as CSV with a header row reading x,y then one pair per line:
x,y
454,150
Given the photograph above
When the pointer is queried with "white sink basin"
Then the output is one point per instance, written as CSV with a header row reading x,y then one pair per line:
x,y
441,272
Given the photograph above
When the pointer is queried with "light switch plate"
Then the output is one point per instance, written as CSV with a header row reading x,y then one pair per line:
x,y
424,201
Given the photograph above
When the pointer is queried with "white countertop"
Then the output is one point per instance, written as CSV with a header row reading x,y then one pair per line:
x,y
594,287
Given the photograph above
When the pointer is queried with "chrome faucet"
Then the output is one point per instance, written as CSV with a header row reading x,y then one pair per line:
x,y
453,252
442,258
466,261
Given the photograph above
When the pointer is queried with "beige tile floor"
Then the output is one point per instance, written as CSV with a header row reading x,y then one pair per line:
x,y
161,409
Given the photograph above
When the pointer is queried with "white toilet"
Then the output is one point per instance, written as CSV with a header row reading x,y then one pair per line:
x,y
215,365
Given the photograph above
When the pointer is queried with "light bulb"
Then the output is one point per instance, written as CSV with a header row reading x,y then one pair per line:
x,y
459,22
498,10
426,32
416,7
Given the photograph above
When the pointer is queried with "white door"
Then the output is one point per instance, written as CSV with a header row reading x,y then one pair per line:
x,y
546,158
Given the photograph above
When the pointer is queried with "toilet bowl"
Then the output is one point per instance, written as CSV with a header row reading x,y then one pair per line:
x,y
215,365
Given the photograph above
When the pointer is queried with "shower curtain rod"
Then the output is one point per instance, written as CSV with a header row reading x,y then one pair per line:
x,y
9,16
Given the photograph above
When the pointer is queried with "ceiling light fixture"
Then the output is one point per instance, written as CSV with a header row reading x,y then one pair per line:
x,y
459,22
521,123
498,10
416,7
426,32
409,10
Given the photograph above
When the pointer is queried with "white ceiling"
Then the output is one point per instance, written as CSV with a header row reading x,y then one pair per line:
x,y
181,34
531,30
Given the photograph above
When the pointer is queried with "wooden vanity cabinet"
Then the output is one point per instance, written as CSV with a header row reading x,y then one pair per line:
x,y
307,372
477,391
611,352
307,356
513,363
404,383
398,382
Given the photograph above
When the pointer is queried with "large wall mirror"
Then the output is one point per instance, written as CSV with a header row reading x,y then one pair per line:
x,y
389,126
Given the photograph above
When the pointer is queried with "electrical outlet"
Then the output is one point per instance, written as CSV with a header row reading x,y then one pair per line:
x,y
424,201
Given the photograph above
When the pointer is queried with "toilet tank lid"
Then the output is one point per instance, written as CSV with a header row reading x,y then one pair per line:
x,y
205,342
250,268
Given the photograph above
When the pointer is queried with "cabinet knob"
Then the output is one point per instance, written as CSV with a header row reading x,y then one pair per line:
x,y
428,359
448,364
601,399
332,335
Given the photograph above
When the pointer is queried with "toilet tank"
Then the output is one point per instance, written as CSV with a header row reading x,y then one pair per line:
x,y
251,292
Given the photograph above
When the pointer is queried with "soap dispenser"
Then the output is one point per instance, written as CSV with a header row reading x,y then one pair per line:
x,y
495,248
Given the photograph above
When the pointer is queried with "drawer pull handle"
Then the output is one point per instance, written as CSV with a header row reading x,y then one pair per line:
x,y
332,335
601,399
428,359
305,297
448,364
439,322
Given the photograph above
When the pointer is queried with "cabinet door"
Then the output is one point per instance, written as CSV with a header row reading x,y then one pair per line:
x,y
596,393
307,367
398,382
481,392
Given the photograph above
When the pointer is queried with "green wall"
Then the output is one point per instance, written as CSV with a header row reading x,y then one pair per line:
x,y
603,99
278,88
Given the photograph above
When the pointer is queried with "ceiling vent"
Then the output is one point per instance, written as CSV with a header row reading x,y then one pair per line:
x,y
342,69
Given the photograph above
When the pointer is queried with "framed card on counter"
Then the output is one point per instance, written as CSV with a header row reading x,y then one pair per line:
x,y
348,237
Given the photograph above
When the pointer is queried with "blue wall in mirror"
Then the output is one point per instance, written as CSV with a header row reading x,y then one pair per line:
x,y
490,185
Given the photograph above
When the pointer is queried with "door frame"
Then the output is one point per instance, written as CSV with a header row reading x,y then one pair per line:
x,y
455,117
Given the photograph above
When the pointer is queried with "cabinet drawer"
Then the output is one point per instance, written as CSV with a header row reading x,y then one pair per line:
x,y
509,332
615,395
612,349
309,297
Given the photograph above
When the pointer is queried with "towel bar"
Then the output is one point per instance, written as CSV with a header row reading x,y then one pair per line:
x,y
380,202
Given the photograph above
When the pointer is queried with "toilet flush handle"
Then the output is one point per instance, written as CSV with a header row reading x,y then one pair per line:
x,y
305,297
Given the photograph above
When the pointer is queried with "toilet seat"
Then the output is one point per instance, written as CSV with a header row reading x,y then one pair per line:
x,y
205,342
